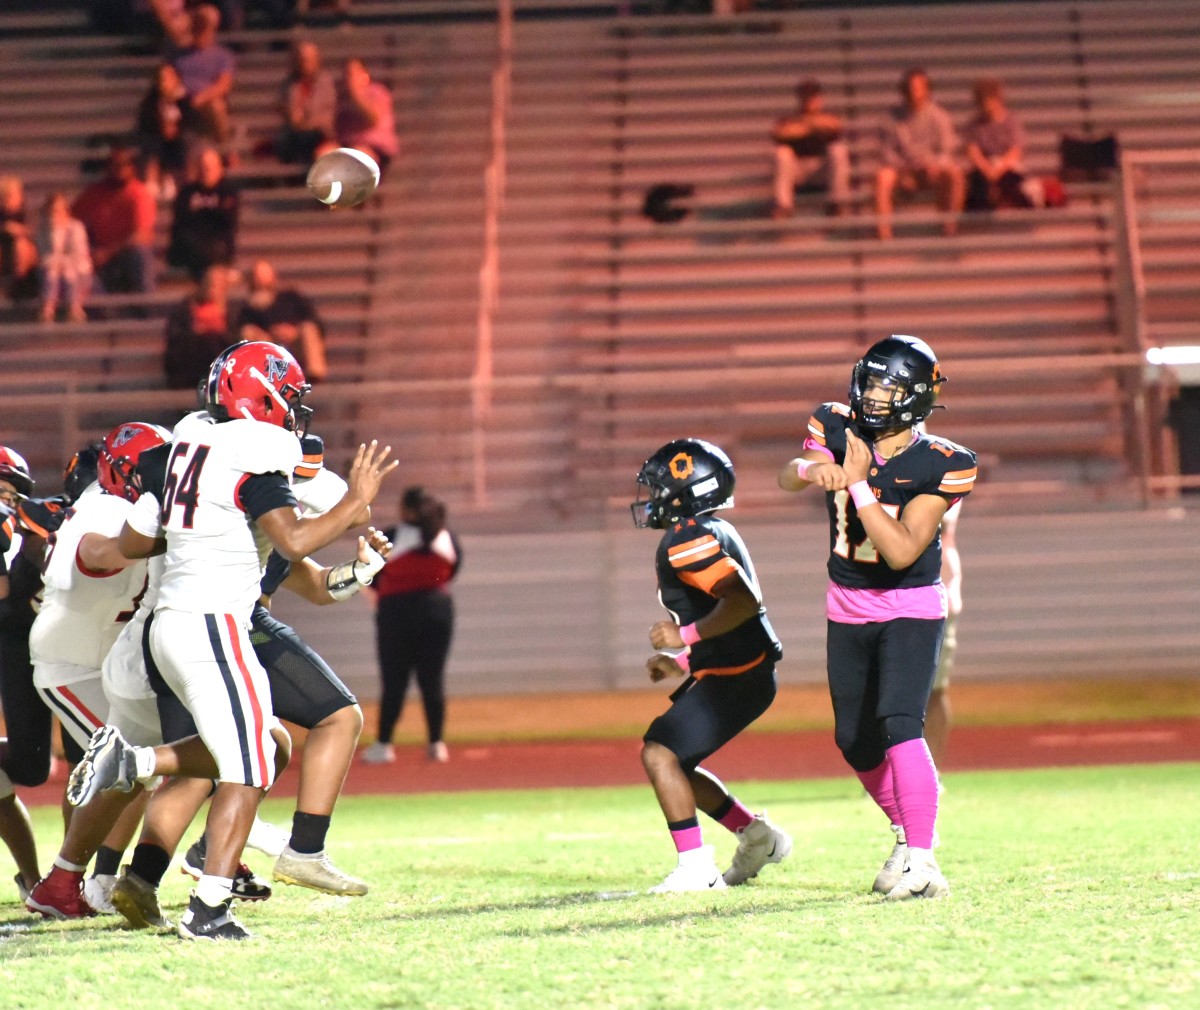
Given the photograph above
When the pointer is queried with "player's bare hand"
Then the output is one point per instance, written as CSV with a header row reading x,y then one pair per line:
x,y
858,458
661,666
376,541
371,465
828,476
665,635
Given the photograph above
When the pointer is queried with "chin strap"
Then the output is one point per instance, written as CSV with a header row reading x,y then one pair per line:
x,y
346,579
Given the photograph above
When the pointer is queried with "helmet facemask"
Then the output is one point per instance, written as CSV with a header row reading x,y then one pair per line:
x,y
893,387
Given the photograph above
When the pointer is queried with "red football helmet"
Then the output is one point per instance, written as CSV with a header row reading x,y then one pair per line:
x,y
119,455
15,470
261,381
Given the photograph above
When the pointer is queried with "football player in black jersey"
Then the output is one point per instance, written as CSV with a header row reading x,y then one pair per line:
x,y
719,637
887,488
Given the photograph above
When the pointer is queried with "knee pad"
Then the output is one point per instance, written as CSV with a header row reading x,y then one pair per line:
x,y
899,729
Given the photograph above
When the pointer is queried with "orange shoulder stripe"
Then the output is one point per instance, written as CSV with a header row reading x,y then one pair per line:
x,y
692,551
710,576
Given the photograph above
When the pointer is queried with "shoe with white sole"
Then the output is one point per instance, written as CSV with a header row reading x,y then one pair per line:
x,y
760,842
316,871
108,763
893,867
97,889
137,900
267,838
921,878
379,754
697,871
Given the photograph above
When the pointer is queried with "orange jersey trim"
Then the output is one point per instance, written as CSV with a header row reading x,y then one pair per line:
x,y
816,430
729,671
714,573
958,481
682,555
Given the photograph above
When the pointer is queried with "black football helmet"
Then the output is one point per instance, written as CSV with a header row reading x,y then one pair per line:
x,y
81,471
15,470
908,369
687,477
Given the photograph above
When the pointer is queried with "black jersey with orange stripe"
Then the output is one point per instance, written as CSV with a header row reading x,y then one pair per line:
x,y
693,556
930,465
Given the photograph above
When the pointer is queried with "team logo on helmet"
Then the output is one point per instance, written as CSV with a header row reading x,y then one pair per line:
x,y
277,369
681,466
123,436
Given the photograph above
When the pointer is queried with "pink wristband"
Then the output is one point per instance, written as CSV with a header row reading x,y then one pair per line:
x,y
802,468
682,660
862,495
689,634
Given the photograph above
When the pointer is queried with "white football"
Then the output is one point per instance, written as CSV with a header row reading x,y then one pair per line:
x,y
343,178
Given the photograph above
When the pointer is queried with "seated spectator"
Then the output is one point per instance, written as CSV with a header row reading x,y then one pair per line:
x,y
163,119
920,151
198,330
204,225
307,104
18,254
65,260
285,317
206,69
118,212
995,143
809,149
365,119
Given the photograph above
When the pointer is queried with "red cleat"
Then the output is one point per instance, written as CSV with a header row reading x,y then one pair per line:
x,y
60,896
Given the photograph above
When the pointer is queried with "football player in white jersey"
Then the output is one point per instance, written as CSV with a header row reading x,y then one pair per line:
x,y
90,592
227,500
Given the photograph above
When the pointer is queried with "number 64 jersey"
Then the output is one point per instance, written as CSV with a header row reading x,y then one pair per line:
x,y
929,465
220,477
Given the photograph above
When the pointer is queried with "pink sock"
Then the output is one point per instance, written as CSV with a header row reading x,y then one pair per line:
x,y
687,839
878,783
736,818
915,782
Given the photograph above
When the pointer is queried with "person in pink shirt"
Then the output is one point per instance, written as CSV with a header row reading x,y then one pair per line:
x,y
365,118
888,486
118,212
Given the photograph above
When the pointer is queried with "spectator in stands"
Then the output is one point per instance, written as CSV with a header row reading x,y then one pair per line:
x,y
198,330
920,151
204,226
18,254
284,316
365,119
340,8
66,262
118,212
157,19
163,119
809,149
307,104
995,143
206,69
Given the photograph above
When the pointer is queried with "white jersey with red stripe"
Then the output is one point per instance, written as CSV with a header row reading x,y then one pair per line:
x,y
215,553
82,611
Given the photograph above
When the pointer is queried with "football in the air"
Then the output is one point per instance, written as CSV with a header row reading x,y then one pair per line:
x,y
343,177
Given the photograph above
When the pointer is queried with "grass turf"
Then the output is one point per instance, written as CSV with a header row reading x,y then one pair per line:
x,y
1071,888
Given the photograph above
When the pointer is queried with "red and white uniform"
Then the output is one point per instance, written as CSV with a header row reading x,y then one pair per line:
x,y
82,614
221,477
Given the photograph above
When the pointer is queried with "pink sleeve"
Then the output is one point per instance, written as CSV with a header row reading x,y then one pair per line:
x,y
812,443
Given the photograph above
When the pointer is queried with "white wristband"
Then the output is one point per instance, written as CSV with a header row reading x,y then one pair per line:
x,y
862,495
346,579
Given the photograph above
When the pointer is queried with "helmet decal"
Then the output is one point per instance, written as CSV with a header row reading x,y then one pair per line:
x,y
681,465
277,369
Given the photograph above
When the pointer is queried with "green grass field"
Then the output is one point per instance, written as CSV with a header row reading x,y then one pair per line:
x,y
1073,888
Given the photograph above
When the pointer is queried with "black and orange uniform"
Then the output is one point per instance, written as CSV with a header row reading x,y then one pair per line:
x,y
414,624
882,657
732,676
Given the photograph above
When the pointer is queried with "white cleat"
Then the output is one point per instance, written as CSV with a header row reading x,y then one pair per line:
x,y
267,838
697,871
760,842
921,878
893,867
97,890
379,754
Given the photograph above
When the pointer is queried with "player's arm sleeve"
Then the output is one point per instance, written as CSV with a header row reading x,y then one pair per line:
x,y
821,425
268,449
260,493
958,478
320,493
146,516
698,560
